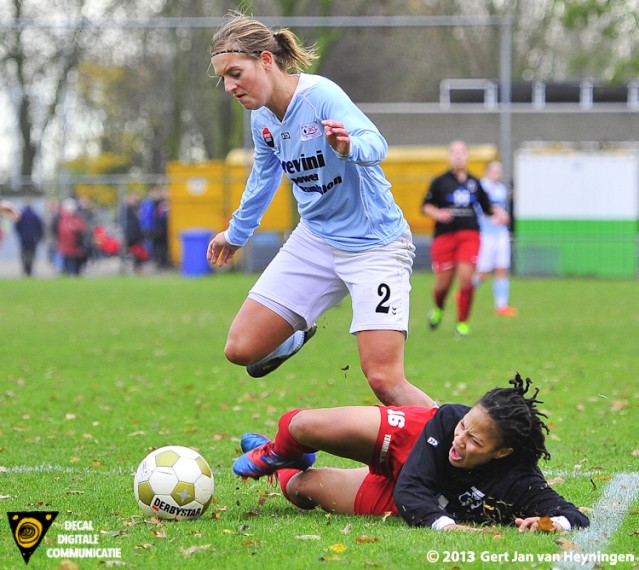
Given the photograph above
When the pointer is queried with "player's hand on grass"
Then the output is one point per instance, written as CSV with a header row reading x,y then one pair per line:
x,y
533,524
337,136
220,252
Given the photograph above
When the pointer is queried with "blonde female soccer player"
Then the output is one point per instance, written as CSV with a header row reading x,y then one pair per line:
x,y
352,237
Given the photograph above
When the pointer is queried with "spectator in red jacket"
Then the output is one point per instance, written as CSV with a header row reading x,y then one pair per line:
x,y
71,230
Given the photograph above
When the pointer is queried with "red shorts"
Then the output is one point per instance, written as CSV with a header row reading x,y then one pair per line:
x,y
399,429
448,250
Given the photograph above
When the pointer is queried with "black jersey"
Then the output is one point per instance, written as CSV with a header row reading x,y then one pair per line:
x,y
461,198
429,487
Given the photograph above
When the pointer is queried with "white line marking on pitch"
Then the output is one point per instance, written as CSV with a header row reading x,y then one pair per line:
x,y
606,517
59,468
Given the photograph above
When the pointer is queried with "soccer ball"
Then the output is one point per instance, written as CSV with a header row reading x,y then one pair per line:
x,y
173,482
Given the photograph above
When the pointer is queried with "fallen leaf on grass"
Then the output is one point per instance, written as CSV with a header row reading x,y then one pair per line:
x,y
365,539
74,492
110,563
112,533
545,524
618,405
145,546
386,515
159,532
555,481
193,549
68,565
308,537
135,519
265,496
566,544
5,497
347,529
337,548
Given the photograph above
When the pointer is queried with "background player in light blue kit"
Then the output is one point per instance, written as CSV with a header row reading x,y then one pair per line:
x,y
494,249
352,237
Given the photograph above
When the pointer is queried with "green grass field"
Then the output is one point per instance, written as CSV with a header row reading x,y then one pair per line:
x,y
96,373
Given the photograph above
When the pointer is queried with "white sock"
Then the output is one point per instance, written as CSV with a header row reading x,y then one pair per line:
x,y
292,344
501,291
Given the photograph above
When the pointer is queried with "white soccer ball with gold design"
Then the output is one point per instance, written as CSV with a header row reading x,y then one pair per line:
x,y
174,482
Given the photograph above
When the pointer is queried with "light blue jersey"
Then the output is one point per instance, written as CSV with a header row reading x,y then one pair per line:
x,y
497,194
344,200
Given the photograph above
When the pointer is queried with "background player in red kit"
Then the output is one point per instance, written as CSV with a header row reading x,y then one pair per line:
x,y
451,201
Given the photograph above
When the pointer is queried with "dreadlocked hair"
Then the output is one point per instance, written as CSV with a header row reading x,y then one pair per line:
x,y
518,420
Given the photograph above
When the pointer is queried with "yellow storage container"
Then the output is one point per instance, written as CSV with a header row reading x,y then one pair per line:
x,y
196,200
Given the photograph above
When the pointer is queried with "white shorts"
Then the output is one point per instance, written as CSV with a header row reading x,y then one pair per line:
x,y
494,252
308,277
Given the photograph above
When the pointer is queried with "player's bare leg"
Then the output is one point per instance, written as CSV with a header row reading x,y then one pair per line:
x,y
255,332
262,340
333,490
347,431
465,273
443,283
381,355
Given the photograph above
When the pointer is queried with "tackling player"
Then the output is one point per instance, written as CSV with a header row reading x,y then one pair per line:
x,y
446,468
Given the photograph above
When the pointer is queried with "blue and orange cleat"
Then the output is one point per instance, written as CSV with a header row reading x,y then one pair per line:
x,y
262,460
252,440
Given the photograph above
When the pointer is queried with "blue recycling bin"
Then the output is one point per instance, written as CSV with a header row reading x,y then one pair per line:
x,y
194,245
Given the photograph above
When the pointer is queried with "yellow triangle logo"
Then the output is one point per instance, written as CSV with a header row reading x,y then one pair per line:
x,y
28,530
